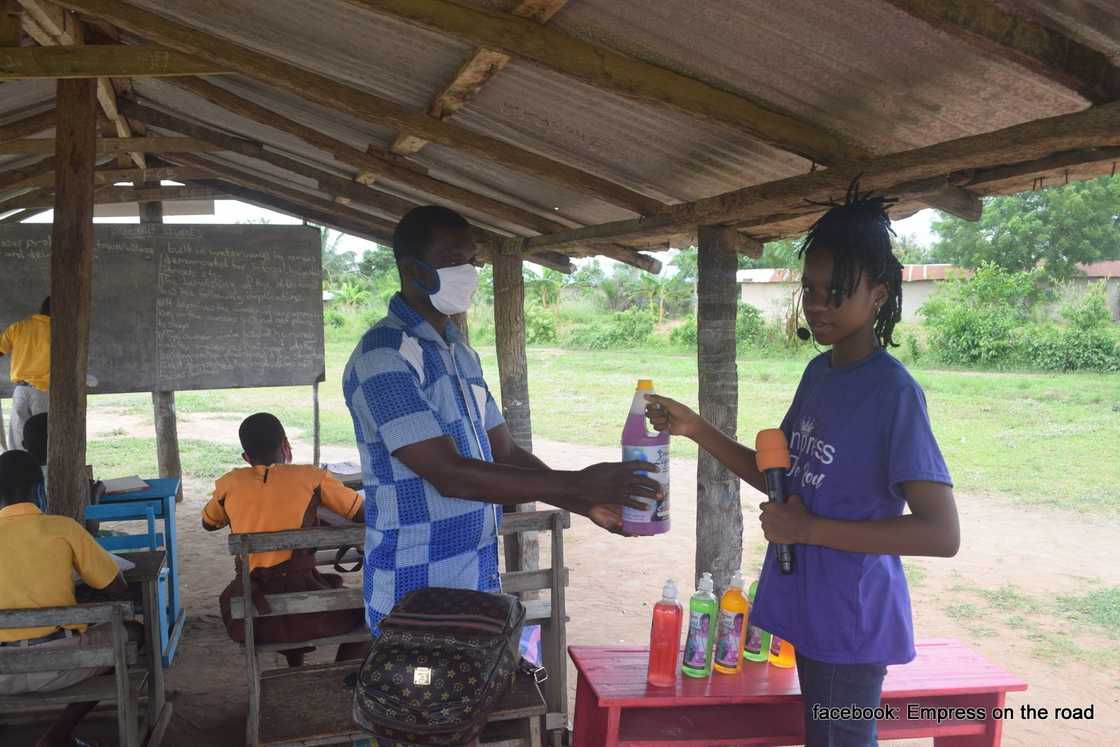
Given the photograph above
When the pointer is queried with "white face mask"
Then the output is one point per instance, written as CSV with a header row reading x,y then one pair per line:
x,y
456,289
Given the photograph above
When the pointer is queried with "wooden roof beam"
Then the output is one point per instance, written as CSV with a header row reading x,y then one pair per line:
x,y
31,125
912,173
502,35
331,93
98,61
119,195
50,25
45,146
474,74
1008,36
24,177
111,176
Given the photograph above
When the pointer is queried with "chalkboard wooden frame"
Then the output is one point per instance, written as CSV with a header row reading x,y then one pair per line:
x,y
184,307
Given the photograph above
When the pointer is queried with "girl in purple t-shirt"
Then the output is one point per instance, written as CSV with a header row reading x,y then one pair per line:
x,y
861,450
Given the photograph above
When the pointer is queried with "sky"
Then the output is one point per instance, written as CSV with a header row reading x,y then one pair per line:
x,y
231,211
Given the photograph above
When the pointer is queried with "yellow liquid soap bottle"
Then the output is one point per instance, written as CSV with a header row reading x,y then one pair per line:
x,y
731,630
782,653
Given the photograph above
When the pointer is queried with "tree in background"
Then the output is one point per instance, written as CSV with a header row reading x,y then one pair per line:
x,y
1055,228
910,252
781,254
338,266
544,287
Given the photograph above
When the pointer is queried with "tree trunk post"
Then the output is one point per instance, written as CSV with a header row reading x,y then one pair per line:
x,y
163,403
719,515
71,272
522,551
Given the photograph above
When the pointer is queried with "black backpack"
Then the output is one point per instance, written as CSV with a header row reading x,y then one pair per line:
x,y
443,662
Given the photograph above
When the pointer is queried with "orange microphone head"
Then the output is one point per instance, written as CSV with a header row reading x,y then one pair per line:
x,y
772,449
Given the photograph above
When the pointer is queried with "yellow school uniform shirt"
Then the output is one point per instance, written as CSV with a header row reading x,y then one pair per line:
x,y
274,499
28,342
38,554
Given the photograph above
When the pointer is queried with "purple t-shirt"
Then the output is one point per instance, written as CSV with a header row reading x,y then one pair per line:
x,y
855,435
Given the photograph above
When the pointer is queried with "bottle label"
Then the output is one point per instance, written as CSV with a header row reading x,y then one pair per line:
x,y
727,646
753,645
656,510
696,647
775,645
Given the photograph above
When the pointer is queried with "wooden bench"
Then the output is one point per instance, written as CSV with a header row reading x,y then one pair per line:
x,y
762,705
122,688
311,705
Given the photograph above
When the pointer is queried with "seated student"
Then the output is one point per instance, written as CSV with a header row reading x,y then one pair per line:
x,y
274,495
35,442
40,553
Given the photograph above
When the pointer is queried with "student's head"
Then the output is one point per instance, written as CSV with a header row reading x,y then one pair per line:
x,y
435,255
45,306
852,282
264,441
20,478
35,437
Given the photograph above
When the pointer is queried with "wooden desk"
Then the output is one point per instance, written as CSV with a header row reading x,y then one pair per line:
x,y
762,704
145,575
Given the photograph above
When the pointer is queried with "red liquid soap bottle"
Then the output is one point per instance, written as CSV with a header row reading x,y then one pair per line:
x,y
665,638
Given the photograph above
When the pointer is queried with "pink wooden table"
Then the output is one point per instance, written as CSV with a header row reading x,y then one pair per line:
x,y
762,705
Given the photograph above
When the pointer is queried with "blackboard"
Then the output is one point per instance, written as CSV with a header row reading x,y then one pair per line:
x,y
179,307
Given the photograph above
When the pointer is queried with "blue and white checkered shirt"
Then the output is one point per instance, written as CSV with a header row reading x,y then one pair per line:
x,y
405,384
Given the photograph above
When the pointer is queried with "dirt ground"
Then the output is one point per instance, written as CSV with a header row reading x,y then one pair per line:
x,y
614,582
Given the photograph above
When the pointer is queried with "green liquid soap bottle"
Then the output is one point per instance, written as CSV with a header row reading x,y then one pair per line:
x,y
703,610
757,647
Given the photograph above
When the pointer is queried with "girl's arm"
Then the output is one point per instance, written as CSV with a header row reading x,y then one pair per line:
x,y
931,528
669,415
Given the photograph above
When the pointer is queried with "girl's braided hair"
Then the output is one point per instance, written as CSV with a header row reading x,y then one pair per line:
x,y
858,231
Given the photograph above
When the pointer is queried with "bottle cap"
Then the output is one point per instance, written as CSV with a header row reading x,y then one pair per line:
x,y
706,582
645,385
669,590
737,580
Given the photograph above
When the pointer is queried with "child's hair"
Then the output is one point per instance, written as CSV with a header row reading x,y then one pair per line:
x,y
35,437
261,435
20,474
858,231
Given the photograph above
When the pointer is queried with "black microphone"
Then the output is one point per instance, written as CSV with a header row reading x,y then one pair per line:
x,y
804,334
772,457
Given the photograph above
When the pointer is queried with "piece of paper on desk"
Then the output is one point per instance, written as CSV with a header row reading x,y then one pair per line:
x,y
123,565
124,485
344,471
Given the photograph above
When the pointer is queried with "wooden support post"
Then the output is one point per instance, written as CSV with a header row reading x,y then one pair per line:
x,y
315,427
522,551
11,23
71,272
163,403
719,516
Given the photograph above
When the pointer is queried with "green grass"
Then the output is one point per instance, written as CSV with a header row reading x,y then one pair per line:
x,y
1101,607
137,456
1005,434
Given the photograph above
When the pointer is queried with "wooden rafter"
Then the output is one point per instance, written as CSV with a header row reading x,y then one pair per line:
x,y
45,146
30,125
474,74
910,174
42,175
50,26
119,195
1024,41
341,97
25,176
341,190
98,61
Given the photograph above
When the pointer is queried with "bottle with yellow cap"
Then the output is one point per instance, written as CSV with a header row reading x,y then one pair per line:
x,y
642,445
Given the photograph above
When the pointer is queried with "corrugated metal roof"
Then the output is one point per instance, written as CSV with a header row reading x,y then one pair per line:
x,y
862,68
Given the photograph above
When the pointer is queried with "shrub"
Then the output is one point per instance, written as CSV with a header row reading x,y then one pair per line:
x,y
1088,310
334,318
630,328
750,329
1053,348
974,321
685,333
540,326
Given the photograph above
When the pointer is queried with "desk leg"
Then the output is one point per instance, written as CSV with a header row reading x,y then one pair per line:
x,y
172,542
155,662
594,725
992,735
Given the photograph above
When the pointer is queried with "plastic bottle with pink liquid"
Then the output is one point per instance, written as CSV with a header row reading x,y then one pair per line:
x,y
640,444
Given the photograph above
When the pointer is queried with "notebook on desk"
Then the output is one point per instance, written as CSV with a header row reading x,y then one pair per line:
x,y
120,485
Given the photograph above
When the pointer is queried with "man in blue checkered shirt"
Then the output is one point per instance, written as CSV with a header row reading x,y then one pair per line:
x,y
438,460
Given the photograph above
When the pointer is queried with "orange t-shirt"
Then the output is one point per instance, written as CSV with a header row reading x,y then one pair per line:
x,y
274,499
